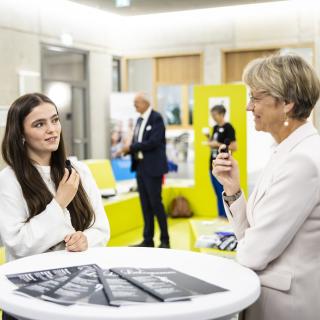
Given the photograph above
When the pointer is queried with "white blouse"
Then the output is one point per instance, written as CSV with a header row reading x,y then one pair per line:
x,y
45,231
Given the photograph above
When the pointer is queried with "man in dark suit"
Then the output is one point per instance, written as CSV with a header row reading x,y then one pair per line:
x,y
149,160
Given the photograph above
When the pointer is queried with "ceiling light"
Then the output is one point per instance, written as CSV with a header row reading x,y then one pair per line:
x,y
122,3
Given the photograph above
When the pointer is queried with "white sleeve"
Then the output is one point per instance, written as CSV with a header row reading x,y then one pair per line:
x,y
99,233
280,213
40,233
237,216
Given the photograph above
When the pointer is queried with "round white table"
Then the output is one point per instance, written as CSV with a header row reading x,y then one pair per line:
x,y
242,283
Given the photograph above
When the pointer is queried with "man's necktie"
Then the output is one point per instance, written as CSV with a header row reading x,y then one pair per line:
x,y
137,129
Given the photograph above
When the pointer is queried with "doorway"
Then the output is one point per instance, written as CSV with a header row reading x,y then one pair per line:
x,y
65,82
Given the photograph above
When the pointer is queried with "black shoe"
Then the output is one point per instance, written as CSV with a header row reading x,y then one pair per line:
x,y
144,244
164,245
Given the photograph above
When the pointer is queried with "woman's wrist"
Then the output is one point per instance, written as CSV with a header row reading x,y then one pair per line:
x,y
60,202
231,191
229,199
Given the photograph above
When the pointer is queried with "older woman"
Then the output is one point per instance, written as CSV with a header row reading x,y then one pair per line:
x,y
279,228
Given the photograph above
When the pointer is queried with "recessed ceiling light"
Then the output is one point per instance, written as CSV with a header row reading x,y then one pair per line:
x,y
122,3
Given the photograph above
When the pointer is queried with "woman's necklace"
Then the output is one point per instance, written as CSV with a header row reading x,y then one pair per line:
x,y
48,178
45,174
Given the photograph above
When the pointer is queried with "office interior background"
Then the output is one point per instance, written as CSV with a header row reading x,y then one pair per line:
x,y
91,57
85,53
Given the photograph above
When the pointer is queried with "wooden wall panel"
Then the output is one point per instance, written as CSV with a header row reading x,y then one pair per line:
x,y
179,69
235,62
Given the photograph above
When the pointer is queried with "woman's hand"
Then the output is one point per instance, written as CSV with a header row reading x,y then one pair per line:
x,y
76,241
67,188
226,170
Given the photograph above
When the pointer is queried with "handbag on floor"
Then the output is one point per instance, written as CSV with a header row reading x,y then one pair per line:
x,y
180,208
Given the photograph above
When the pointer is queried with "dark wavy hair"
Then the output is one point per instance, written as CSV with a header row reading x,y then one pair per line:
x,y
219,108
34,189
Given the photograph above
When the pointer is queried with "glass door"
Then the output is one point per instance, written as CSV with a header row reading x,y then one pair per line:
x,y
79,138
64,80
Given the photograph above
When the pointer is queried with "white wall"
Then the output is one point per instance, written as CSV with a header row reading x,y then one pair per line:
x,y
24,25
260,25
211,31
18,51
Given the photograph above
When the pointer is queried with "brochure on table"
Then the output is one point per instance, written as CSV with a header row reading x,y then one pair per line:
x,y
115,287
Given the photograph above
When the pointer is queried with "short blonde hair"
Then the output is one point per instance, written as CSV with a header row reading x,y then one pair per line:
x,y
287,78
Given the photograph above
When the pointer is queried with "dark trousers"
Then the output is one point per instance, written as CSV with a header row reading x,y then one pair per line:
x,y
218,188
6,316
151,203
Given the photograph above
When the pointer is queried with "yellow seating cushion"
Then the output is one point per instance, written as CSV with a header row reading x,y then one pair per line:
x,y
102,172
2,255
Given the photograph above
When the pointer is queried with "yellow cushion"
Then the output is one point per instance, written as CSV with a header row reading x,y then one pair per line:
x,y
102,172
2,255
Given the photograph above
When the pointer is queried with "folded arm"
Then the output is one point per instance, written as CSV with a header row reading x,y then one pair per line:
x,y
39,234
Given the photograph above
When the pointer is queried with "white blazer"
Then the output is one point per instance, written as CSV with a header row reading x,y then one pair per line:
x,y
45,231
279,230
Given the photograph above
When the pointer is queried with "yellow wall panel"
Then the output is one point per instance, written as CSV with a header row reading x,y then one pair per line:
x,y
204,195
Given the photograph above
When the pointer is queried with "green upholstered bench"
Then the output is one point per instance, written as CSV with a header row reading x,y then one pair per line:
x,y
124,213
124,210
2,255
207,226
178,230
102,173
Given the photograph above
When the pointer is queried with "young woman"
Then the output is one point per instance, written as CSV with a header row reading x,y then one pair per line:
x,y
43,207
221,132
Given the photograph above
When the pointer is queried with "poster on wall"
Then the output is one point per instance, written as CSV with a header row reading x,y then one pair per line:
x,y
180,153
123,117
213,101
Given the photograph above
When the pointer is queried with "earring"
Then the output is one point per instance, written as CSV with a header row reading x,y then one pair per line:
x,y
23,140
286,121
